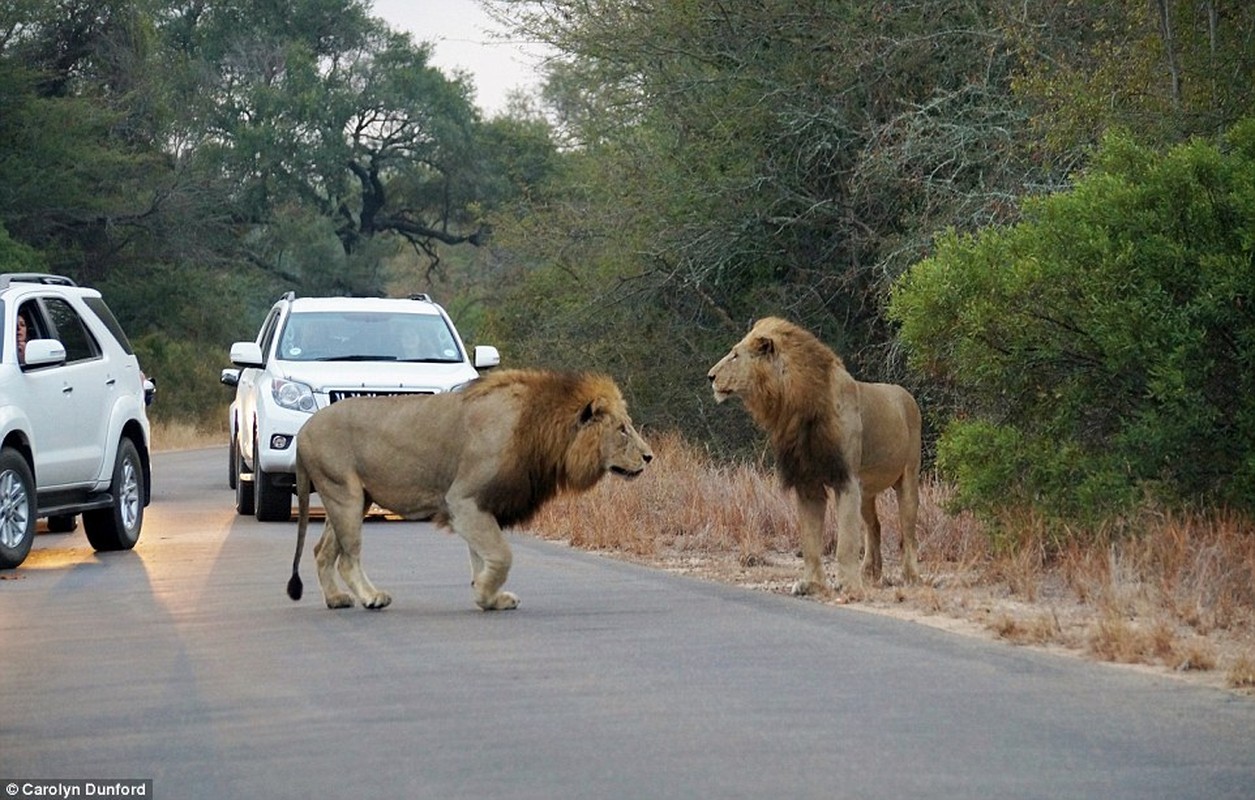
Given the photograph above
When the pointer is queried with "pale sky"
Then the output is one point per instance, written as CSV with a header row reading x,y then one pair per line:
x,y
460,31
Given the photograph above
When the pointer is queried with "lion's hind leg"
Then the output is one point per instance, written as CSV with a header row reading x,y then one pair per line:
x,y
350,566
873,567
907,490
326,553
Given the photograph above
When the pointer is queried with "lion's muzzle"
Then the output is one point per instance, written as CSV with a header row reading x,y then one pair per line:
x,y
629,474
720,394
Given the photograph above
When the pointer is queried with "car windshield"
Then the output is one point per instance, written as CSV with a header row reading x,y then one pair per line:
x,y
367,336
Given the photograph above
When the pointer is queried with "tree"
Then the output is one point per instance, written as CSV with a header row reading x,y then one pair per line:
x,y
193,159
79,167
1169,69
731,160
1104,347
328,124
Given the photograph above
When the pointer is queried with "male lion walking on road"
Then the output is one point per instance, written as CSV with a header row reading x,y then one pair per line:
x,y
829,432
476,460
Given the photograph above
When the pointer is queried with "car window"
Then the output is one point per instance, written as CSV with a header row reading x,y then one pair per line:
x,y
36,325
368,336
268,328
423,338
70,330
102,310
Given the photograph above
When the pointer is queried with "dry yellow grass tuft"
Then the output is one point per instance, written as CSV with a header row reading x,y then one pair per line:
x,y
657,513
1242,672
174,435
1178,593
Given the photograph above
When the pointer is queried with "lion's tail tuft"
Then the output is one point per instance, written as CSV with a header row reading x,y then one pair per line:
x,y
303,486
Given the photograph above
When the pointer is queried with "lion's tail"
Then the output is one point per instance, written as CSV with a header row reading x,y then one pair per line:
x,y
295,587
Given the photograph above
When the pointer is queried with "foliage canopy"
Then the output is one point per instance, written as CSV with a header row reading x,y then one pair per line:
x,y
193,160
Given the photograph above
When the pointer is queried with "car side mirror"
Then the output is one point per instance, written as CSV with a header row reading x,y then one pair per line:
x,y
486,356
247,354
43,353
230,377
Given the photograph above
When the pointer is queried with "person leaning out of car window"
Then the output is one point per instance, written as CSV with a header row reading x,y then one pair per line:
x,y
23,333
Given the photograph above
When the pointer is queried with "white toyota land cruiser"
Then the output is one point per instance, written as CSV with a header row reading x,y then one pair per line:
x,y
313,351
73,422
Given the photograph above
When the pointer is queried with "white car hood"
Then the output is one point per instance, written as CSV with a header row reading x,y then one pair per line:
x,y
380,375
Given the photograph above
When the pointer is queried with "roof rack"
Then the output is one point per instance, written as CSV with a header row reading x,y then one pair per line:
x,y
34,277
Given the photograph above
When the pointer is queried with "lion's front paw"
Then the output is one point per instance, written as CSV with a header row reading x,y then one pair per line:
x,y
377,601
802,588
339,600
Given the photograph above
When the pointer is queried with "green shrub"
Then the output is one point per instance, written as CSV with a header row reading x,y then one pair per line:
x,y
1104,347
187,378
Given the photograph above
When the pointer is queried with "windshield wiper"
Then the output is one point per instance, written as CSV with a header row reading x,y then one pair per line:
x,y
356,358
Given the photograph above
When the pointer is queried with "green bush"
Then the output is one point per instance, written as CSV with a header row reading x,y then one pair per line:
x,y
1103,348
187,378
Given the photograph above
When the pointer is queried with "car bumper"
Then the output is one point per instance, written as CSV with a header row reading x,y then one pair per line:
x,y
276,439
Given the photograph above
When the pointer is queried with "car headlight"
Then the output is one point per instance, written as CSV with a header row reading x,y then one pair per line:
x,y
293,395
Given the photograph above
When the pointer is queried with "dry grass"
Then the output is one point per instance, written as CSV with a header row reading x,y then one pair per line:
x,y
1178,593
184,436
656,513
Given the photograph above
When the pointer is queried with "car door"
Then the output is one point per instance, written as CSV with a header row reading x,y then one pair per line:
x,y
73,399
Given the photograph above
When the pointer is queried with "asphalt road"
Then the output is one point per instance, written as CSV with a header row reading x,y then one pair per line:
x,y
184,662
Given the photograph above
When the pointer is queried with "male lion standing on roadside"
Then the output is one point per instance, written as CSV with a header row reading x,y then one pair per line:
x,y
476,460
829,431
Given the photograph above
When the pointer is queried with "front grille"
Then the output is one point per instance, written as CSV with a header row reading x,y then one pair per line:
x,y
336,395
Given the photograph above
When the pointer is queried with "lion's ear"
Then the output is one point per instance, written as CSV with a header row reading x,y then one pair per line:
x,y
592,411
763,346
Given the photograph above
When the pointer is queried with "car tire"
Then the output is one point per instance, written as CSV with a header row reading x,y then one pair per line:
x,y
243,485
118,526
17,508
62,523
271,503
233,463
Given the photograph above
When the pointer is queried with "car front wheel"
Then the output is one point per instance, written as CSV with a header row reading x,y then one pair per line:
x,y
272,503
243,485
17,508
117,527
233,463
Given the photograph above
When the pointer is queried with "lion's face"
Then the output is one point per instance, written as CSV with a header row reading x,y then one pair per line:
x,y
734,374
623,451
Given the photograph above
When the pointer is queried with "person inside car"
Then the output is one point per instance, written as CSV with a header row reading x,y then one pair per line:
x,y
23,333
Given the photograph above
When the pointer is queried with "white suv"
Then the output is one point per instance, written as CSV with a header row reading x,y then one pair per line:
x,y
313,351
73,423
